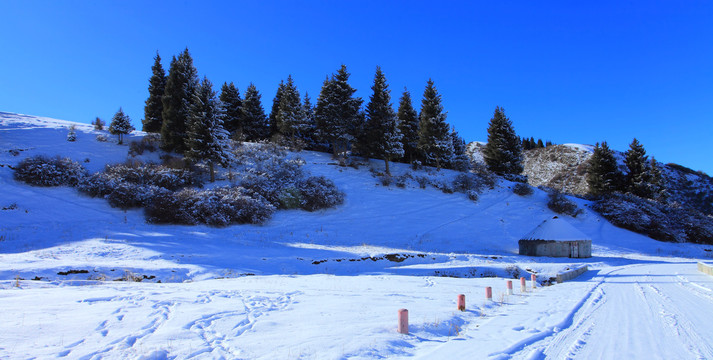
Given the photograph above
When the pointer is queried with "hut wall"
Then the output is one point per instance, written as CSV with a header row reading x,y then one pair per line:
x,y
554,248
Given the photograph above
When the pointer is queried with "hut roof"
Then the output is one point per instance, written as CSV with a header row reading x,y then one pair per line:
x,y
555,229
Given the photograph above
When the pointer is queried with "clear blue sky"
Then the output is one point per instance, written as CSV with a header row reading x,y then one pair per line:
x,y
565,71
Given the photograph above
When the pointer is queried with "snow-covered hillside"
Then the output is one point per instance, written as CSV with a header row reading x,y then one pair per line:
x,y
323,284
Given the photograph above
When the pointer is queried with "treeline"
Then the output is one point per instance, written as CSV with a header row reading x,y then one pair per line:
x,y
194,121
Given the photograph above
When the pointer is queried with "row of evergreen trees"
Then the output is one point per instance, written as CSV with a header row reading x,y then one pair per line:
x,y
177,102
642,178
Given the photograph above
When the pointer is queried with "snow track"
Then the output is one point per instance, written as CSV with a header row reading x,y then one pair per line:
x,y
634,310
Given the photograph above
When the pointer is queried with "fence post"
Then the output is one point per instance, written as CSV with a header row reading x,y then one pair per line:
x,y
509,287
489,293
533,277
523,286
403,321
461,302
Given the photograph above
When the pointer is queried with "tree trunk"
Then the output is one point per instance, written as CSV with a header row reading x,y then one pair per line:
x,y
386,163
212,172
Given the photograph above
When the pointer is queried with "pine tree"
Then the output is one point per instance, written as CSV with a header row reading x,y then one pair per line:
x,y
657,185
408,125
290,116
233,106
381,136
503,153
540,144
98,124
338,113
120,125
255,126
460,160
434,140
177,100
639,173
207,139
309,131
603,175
274,121
153,111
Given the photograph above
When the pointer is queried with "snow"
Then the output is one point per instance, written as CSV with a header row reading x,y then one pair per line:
x,y
328,284
556,228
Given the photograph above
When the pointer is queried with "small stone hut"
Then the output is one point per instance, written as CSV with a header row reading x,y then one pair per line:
x,y
557,238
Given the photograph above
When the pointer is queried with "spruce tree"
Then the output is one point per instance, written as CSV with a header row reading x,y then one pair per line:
x,y
290,117
381,136
408,125
657,185
540,144
255,126
233,106
274,121
503,153
177,100
309,132
603,175
207,139
338,113
639,173
434,140
153,111
120,125
460,160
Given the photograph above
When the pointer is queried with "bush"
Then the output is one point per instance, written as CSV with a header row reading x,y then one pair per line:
x,y
72,134
45,171
659,221
465,182
386,180
472,195
147,143
402,180
561,205
153,174
102,138
422,181
319,192
128,195
290,198
218,207
522,189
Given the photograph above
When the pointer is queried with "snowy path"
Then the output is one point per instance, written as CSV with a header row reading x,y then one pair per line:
x,y
636,310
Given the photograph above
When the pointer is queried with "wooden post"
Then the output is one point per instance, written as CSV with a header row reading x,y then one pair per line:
x,y
461,302
489,293
403,321
533,278
523,286
509,287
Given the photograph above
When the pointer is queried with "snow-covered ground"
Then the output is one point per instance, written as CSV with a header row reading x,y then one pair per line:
x,y
328,284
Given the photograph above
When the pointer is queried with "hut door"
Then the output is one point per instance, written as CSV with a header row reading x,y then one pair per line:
x,y
574,250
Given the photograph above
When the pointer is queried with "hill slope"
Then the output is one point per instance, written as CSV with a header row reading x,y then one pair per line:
x,y
287,288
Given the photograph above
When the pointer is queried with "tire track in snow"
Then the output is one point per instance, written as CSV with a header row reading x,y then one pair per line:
x,y
677,322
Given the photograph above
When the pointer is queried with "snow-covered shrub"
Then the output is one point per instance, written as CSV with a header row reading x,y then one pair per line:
x,y
465,182
515,178
386,180
218,207
561,205
422,181
472,195
659,221
522,189
402,180
318,193
45,171
290,198
444,186
97,185
152,174
147,143
269,174
127,195
416,165
102,138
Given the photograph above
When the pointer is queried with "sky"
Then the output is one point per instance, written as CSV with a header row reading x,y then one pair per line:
x,y
568,72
